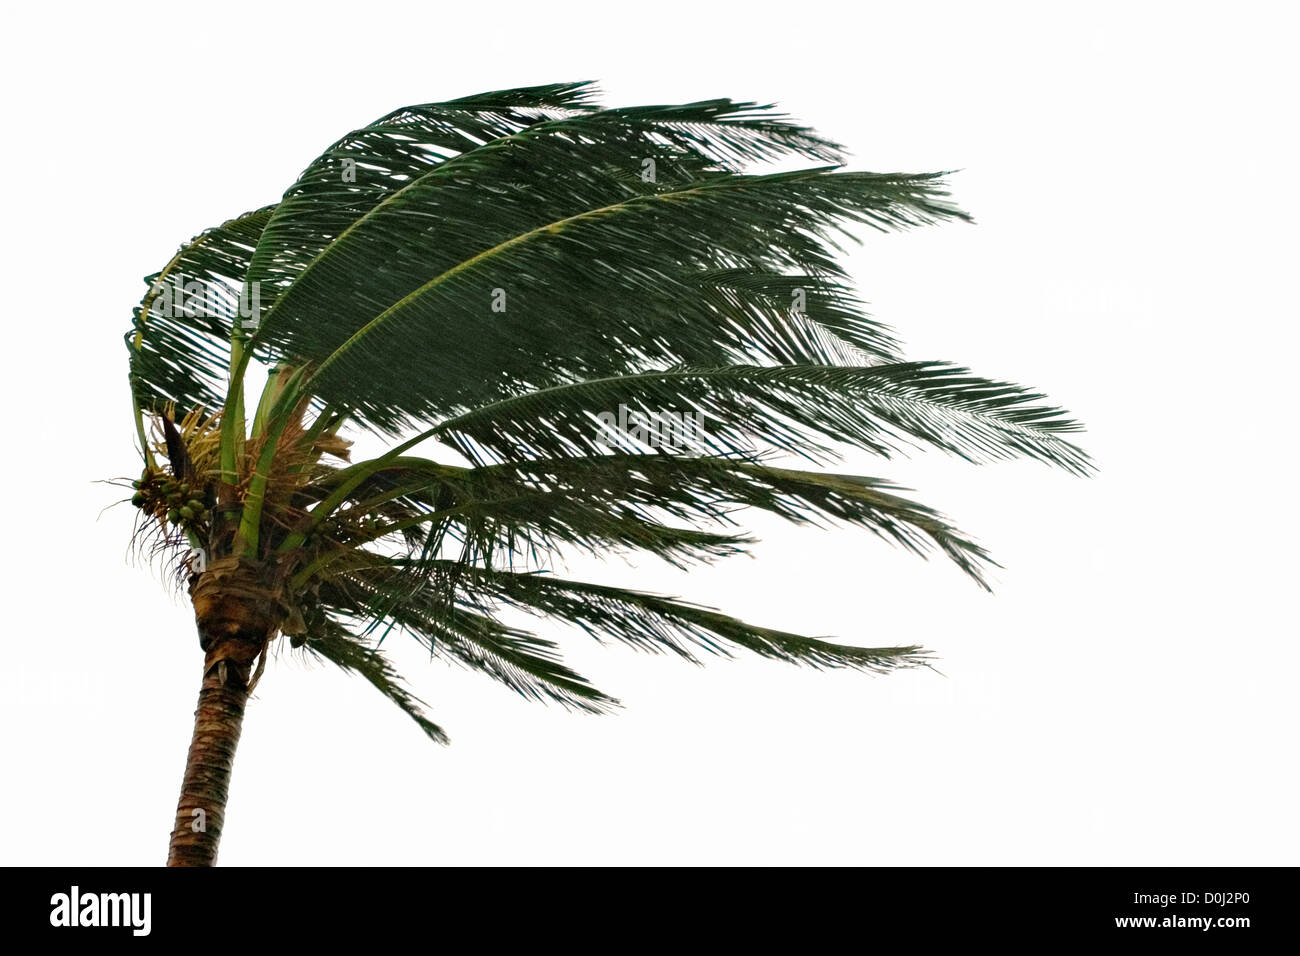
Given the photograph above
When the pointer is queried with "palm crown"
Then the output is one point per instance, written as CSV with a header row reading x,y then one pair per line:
x,y
500,276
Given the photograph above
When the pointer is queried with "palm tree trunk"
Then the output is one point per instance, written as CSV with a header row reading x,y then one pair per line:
x,y
201,812
237,613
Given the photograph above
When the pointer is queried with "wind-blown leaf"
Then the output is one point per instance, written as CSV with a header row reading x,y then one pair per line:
x,y
653,622
649,620
597,278
329,219
179,343
527,664
371,163
809,318
333,643
794,408
598,495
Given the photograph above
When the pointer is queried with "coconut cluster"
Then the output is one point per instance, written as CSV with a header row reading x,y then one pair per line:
x,y
175,500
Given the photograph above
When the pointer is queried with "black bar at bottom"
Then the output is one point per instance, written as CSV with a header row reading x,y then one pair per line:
x,y
634,907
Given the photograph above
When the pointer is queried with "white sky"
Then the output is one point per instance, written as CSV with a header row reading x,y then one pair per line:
x,y
1126,697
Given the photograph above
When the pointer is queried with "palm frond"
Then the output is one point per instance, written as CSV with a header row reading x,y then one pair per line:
x,y
332,642
598,278
597,500
642,620
525,663
650,621
371,163
179,343
494,520
382,173
794,408
806,318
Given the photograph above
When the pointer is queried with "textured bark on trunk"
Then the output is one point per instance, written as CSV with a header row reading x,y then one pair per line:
x,y
201,813
237,610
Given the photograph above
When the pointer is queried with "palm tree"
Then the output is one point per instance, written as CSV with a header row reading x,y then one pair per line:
x,y
539,286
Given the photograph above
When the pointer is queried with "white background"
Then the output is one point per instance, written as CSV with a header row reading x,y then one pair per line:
x,y
1126,697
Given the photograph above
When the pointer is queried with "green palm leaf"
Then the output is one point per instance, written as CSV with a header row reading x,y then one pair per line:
x,y
645,621
332,642
626,500
438,270
180,339
795,408
525,663
370,164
